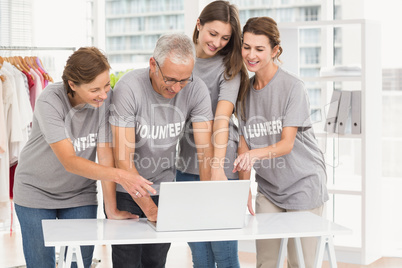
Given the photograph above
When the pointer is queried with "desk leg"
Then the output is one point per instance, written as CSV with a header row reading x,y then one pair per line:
x,y
299,252
325,242
71,250
283,249
282,253
331,252
60,263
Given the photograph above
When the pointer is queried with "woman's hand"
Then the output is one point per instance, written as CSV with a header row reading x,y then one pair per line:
x,y
250,203
245,161
135,184
120,215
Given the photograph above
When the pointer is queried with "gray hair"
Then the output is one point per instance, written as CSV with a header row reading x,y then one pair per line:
x,y
177,47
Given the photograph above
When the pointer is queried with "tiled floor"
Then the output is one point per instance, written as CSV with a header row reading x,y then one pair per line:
x,y
11,255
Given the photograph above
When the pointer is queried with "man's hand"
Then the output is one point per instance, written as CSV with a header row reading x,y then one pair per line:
x,y
148,206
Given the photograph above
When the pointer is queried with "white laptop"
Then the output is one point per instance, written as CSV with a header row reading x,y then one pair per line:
x,y
201,205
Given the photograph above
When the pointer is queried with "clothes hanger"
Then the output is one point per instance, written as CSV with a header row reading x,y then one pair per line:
x,y
24,66
19,61
28,61
47,76
10,60
14,62
2,77
34,64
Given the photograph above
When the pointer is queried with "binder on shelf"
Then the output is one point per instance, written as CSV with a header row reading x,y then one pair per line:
x,y
330,122
343,121
356,112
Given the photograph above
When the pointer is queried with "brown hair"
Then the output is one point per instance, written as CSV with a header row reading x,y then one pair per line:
x,y
225,12
261,26
83,66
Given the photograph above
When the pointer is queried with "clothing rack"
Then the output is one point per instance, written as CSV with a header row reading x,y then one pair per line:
x,y
35,48
29,49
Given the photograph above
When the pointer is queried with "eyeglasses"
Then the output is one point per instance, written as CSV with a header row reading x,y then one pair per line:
x,y
171,82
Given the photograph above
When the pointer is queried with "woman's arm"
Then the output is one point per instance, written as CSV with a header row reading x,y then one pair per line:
x,y
245,175
245,161
220,138
124,140
202,139
64,151
105,158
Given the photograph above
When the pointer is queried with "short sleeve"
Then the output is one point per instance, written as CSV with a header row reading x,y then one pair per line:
x,y
201,109
240,122
122,107
297,112
105,132
229,89
51,121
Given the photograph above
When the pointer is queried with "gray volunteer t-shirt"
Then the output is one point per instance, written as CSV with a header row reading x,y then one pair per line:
x,y
296,180
212,72
41,181
158,122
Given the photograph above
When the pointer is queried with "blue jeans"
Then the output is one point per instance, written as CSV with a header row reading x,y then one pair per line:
x,y
221,254
141,255
35,252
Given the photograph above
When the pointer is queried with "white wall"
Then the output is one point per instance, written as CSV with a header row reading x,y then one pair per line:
x,y
59,23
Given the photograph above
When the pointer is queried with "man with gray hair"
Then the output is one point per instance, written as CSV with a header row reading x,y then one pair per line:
x,y
149,109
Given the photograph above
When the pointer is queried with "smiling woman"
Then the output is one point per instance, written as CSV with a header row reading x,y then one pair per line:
x,y
94,93
56,174
87,85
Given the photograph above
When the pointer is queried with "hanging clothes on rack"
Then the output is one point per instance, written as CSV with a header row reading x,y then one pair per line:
x,y
18,116
23,79
3,135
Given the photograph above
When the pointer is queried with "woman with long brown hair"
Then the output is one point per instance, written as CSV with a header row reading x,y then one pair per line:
x,y
217,39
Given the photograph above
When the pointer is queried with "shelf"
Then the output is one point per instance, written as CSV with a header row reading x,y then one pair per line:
x,y
322,134
274,6
129,52
353,160
331,78
335,189
319,24
144,14
348,185
141,33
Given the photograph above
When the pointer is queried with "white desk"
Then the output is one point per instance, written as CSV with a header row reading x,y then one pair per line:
x,y
76,233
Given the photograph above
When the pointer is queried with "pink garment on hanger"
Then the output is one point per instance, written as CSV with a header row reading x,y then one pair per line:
x,y
37,88
3,133
12,174
42,71
42,80
31,85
